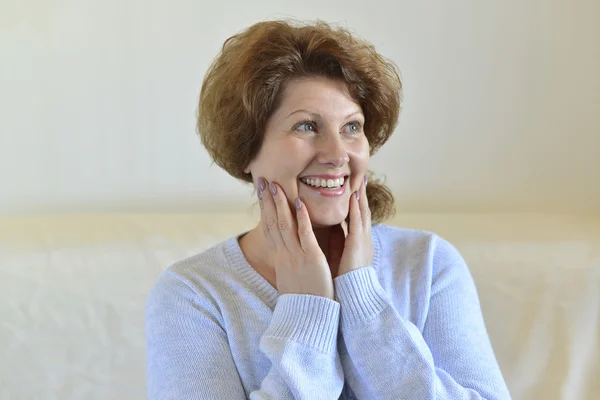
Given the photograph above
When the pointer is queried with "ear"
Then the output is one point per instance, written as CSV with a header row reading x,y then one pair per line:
x,y
248,168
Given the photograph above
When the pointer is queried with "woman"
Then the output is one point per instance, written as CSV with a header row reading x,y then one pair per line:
x,y
319,300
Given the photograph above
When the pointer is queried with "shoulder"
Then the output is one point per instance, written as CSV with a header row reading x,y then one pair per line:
x,y
416,243
195,281
422,252
208,266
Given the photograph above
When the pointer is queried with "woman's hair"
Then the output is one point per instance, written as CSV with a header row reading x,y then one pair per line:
x,y
243,87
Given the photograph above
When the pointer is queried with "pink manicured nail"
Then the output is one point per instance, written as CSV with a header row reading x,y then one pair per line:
x,y
273,188
298,203
357,194
366,180
261,184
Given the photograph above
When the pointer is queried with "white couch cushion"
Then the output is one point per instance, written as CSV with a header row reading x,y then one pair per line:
x,y
73,291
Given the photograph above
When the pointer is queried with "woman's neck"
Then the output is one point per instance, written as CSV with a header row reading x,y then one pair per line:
x,y
255,247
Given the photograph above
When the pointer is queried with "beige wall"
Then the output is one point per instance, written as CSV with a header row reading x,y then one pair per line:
x,y
97,102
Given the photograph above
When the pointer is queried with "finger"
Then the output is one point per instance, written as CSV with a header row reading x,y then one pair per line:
x,y
286,225
365,211
306,236
260,188
271,221
355,225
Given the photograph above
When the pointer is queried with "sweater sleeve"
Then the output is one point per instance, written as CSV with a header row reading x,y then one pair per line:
x,y
188,354
301,343
390,358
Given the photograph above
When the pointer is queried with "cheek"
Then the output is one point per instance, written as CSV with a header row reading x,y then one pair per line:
x,y
282,161
359,165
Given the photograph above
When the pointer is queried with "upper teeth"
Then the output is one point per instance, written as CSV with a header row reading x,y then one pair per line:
x,y
328,183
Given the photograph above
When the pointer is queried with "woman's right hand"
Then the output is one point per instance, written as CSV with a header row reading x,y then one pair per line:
x,y
300,265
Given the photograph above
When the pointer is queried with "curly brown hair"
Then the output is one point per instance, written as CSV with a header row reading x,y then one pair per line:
x,y
243,87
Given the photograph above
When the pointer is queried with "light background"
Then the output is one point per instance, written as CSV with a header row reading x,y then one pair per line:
x,y
98,102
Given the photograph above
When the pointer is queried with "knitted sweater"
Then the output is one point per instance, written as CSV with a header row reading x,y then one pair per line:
x,y
407,327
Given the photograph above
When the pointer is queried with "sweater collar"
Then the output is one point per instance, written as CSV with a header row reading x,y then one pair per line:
x,y
236,259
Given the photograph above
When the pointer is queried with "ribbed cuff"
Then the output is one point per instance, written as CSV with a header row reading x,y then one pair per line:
x,y
360,295
306,319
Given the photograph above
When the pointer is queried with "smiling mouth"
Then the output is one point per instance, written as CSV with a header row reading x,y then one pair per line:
x,y
321,183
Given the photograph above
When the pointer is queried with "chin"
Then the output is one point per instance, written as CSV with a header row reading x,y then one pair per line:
x,y
330,219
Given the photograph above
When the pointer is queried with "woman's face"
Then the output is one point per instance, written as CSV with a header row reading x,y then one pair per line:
x,y
315,137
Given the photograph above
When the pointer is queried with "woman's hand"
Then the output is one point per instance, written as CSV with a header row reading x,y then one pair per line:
x,y
356,248
300,265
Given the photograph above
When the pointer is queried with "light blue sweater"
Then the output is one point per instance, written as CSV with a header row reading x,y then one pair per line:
x,y
407,327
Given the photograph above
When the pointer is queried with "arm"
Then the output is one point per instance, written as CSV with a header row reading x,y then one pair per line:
x,y
301,343
389,358
189,355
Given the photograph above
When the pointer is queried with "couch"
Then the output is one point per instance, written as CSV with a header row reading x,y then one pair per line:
x,y
73,288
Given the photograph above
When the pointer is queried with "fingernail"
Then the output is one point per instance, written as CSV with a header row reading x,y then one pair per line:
x,y
357,194
260,187
273,188
298,203
261,184
366,180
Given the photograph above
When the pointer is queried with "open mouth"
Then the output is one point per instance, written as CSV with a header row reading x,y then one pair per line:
x,y
322,183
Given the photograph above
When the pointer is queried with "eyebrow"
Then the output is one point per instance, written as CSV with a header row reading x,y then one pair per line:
x,y
318,115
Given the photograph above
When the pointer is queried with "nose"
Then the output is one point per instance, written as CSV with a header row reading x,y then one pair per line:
x,y
332,151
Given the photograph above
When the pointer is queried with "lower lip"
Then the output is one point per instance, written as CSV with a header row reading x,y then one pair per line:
x,y
329,192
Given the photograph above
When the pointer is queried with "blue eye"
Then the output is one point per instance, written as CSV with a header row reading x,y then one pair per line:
x,y
306,126
353,127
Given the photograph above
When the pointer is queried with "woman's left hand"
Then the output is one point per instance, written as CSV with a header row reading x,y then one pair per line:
x,y
357,245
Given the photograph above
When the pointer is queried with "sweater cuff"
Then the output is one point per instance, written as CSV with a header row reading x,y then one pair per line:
x,y
306,319
360,295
